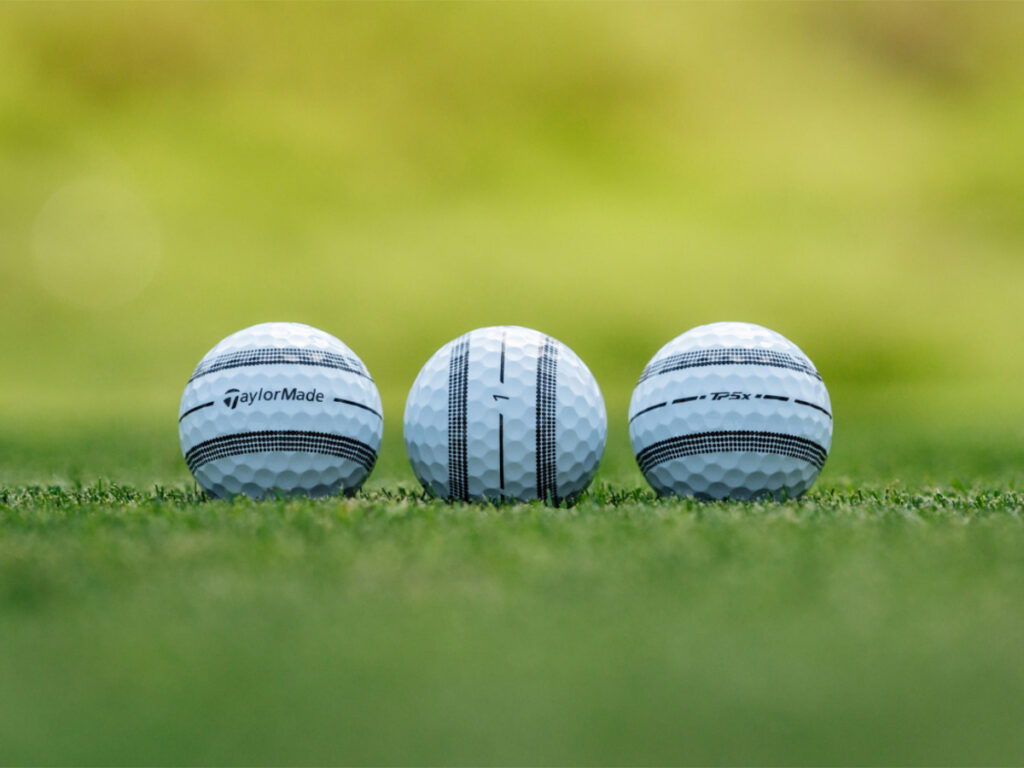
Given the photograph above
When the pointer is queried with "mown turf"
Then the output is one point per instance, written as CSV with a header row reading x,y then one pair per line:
x,y
877,619
851,626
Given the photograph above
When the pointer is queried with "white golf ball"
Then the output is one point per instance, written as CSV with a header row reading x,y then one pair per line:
x,y
730,410
505,413
280,409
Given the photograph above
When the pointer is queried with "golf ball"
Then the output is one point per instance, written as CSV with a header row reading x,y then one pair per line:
x,y
280,409
730,410
505,413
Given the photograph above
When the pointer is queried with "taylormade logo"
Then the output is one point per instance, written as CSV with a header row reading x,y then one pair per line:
x,y
234,398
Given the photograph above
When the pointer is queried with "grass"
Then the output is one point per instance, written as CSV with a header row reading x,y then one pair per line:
x,y
863,623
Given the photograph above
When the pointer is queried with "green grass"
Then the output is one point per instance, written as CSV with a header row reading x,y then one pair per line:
x,y
848,627
872,621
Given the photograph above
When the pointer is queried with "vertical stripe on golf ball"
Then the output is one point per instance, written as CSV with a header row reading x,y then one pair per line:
x,y
547,385
458,377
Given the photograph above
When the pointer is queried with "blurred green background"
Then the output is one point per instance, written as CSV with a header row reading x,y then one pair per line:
x,y
850,175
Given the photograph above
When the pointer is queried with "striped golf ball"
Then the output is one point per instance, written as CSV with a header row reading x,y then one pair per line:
x,y
730,410
505,413
280,409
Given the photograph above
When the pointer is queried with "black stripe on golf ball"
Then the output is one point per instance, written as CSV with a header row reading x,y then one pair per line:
x,y
270,441
458,383
729,356
547,381
280,356
747,441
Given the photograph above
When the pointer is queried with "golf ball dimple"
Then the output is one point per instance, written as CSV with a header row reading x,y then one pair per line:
x,y
730,410
505,413
280,409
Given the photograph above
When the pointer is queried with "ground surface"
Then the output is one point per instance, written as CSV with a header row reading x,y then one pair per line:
x,y
875,620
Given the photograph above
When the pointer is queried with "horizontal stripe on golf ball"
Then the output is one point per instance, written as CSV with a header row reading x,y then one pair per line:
x,y
193,409
753,398
744,441
280,356
353,403
727,356
270,441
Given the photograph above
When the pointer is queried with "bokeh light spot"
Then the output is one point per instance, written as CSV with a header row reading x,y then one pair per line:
x,y
95,243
